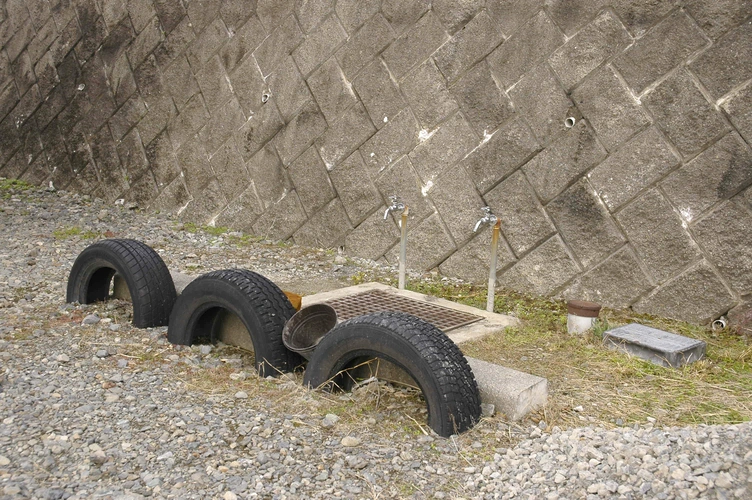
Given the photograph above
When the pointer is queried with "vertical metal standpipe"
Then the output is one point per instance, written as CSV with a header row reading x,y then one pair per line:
x,y
403,248
492,267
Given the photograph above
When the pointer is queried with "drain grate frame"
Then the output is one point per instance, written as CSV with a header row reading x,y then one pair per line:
x,y
372,301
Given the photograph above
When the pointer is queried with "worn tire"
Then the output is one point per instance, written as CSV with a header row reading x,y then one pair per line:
x,y
422,350
261,306
145,273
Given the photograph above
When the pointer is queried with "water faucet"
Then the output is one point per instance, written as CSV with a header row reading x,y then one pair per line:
x,y
488,218
396,205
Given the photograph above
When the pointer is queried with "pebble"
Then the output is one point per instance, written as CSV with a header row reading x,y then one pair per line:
x,y
241,395
329,420
350,442
102,353
4,460
91,319
63,358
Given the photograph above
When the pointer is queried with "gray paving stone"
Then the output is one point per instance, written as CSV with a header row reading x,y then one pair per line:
x,y
288,89
163,114
402,181
325,229
259,130
170,13
428,243
202,14
174,195
43,39
19,40
354,187
111,175
175,43
739,110
180,81
319,45
269,176
363,46
403,14
373,237
456,14
637,165
356,12
397,138
542,271
529,45
112,12
195,166
205,205
683,113
23,73
280,43
162,160
610,108
248,86
229,170
242,212
658,235
716,174
93,32
332,90
616,282
214,84
523,220
274,12
471,261
141,191
149,81
300,133
132,155
482,101
469,45
236,12
500,154
141,13
415,45
242,43
127,116
724,66
428,95
311,181
697,295
640,15
345,136
379,93
584,52
541,100
144,43
459,204
70,34
726,236
281,219
715,18
585,224
663,48
570,15
657,346
311,13
444,149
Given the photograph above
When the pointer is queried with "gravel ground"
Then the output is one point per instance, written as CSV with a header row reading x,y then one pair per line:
x,y
91,407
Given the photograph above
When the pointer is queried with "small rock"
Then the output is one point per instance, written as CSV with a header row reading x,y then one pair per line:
x,y
487,409
114,327
329,420
4,461
63,358
91,319
238,376
102,353
262,458
241,395
229,495
339,260
98,457
323,476
349,441
122,363
578,408
205,349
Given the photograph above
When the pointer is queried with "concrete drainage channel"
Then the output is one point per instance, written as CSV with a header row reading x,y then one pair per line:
x,y
342,337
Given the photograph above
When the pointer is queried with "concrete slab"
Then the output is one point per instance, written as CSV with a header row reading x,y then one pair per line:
x,y
657,346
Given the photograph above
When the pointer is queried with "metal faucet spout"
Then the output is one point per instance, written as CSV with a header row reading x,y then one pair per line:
x,y
488,218
395,206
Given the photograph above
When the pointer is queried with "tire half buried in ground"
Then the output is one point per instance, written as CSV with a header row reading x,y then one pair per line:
x,y
203,309
417,347
148,280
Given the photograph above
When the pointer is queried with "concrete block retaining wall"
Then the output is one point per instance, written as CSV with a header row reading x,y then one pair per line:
x,y
297,119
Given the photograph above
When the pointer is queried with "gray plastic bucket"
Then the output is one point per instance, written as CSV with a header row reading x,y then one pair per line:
x,y
304,331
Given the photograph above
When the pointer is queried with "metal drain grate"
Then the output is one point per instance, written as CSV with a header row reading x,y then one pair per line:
x,y
378,300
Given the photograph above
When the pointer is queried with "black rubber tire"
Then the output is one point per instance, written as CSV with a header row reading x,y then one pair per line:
x,y
422,350
256,301
145,273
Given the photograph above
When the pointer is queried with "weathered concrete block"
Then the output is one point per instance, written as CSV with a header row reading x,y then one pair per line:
x,y
269,176
484,103
379,93
401,180
724,66
363,46
429,244
717,173
415,45
554,168
319,45
332,91
511,14
542,271
397,138
445,148
726,236
174,195
243,42
540,98
274,12
356,191
610,108
584,52
529,45
638,164
194,165
162,160
248,86
499,155
523,221
639,16
458,202
740,317
403,14
300,132
125,118
259,130
683,113
353,14
479,37
345,136
659,51
658,235
43,39
513,393
616,282
175,44
311,13
585,224
309,176
373,237
230,171
472,260
715,18
697,295
428,95
141,191
570,15
280,43
206,204
739,109
185,125
241,212
201,14
214,84
657,346
170,13
281,219
325,229
223,124
456,14
144,43
131,154
288,89
180,81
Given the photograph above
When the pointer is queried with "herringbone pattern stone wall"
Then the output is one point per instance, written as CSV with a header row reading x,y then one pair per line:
x,y
299,118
